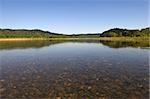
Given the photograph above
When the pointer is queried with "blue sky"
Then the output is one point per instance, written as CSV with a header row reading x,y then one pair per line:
x,y
74,16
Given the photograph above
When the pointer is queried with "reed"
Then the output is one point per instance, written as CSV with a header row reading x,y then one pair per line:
x,y
137,39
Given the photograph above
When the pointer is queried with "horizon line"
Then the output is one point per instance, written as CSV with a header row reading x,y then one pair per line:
x,y
73,33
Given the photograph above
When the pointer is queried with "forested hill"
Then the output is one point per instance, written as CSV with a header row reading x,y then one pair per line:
x,y
23,33
116,32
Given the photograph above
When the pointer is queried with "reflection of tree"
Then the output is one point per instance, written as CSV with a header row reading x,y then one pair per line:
x,y
39,44
120,44
26,44
36,44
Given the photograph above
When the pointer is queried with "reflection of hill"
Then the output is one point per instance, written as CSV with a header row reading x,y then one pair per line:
x,y
26,44
120,44
35,44
39,44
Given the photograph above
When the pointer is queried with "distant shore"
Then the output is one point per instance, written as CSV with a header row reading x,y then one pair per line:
x,y
138,39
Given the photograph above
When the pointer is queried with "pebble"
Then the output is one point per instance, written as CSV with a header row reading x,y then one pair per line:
x,y
89,87
2,80
14,87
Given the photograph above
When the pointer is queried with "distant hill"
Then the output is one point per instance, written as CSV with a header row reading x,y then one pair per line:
x,y
20,33
116,32
23,33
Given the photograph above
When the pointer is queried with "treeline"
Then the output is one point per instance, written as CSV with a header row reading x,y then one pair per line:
x,y
23,33
116,32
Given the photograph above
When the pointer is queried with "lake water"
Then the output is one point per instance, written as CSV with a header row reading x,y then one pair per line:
x,y
91,70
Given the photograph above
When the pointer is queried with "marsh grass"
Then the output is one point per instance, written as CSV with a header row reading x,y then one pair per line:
x,y
136,39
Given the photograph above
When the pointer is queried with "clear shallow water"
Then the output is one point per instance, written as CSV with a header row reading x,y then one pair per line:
x,y
46,69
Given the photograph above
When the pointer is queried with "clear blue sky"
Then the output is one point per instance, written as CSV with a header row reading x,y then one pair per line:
x,y
74,16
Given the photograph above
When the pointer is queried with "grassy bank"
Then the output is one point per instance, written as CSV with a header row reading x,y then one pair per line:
x,y
137,39
21,39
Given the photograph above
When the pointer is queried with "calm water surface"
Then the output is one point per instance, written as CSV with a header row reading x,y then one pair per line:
x,y
92,70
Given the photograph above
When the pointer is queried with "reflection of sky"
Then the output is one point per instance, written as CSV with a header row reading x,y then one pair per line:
x,y
74,51
73,16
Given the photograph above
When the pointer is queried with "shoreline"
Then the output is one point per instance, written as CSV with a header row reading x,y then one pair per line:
x,y
137,39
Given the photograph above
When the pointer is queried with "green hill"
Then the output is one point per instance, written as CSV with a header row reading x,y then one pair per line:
x,y
23,33
116,32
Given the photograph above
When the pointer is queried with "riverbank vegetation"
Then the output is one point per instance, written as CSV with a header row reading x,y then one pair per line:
x,y
137,39
112,34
